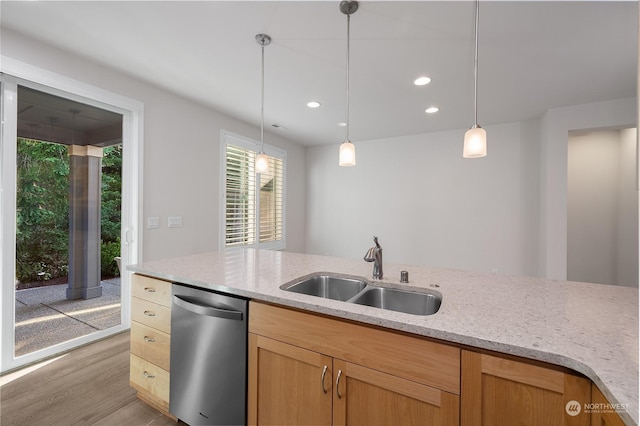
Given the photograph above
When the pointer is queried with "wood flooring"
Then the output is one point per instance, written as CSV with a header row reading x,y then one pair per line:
x,y
87,386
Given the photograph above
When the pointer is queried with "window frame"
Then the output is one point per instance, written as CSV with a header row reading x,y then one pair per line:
x,y
236,140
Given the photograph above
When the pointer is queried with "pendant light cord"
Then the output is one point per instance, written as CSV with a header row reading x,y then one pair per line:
x,y
348,51
262,105
475,66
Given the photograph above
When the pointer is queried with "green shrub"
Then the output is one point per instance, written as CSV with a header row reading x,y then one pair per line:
x,y
42,211
108,252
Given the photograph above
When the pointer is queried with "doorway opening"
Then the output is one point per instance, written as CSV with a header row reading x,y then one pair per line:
x,y
602,210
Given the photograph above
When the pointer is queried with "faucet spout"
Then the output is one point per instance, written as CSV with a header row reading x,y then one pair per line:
x,y
374,254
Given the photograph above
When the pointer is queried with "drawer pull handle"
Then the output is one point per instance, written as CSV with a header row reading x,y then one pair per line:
x,y
324,373
148,375
338,384
150,313
150,289
149,339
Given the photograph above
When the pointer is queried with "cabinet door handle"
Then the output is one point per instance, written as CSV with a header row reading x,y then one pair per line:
x,y
150,289
149,339
338,384
324,373
148,375
150,313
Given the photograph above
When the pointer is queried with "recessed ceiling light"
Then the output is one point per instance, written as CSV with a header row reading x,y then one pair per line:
x,y
431,110
342,124
421,81
313,104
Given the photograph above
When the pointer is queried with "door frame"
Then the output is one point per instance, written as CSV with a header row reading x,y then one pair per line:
x,y
16,73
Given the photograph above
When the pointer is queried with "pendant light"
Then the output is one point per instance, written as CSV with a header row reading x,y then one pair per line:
x,y
475,139
262,160
347,149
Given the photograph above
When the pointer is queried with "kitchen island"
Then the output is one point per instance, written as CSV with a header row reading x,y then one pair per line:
x,y
588,328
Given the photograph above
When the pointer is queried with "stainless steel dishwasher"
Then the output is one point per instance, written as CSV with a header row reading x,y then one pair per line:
x,y
208,383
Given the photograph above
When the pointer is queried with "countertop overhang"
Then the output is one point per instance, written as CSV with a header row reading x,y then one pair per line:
x,y
589,328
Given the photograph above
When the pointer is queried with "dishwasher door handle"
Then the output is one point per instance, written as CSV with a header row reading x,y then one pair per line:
x,y
202,307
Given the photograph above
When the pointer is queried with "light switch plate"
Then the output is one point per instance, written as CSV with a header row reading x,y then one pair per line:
x,y
174,221
153,222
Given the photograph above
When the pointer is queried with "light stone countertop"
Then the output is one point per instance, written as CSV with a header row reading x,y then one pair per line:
x,y
589,328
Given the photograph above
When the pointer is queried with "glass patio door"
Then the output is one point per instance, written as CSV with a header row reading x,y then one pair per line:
x,y
68,181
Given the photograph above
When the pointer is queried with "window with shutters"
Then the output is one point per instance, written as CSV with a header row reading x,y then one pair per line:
x,y
253,207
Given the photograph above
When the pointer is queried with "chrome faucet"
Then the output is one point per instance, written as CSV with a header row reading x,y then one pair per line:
x,y
374,254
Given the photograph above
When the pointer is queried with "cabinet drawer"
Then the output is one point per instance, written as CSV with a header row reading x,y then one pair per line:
x,y
150,344
150,378
151,289
151,314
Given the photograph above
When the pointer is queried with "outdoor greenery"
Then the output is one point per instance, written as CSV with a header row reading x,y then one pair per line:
x,y
42,213
111,209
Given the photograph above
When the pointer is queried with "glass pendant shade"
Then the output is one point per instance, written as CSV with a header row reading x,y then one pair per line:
x,y
347,154
262,163
475,139
475,143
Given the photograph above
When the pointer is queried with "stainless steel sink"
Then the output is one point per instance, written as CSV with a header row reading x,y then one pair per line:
x,y
354,290
398,300
327,286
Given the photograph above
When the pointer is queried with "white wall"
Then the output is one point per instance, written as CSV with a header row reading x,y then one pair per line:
x,y
427,204
181,153
628,206
602,240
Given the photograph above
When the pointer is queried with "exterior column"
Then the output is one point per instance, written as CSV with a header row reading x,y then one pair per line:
x,y
85,164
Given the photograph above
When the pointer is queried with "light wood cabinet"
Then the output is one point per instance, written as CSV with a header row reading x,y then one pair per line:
x,y
501,391
363,396
151,340
288,385
310,369
601,413
151,344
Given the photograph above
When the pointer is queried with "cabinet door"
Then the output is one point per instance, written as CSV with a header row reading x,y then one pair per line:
x,y
288,385
500,391
603,416
363,396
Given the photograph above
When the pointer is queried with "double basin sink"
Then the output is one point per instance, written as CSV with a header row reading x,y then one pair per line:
x,y
359,292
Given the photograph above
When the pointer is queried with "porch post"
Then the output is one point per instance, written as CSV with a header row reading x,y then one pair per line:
x,y
85,164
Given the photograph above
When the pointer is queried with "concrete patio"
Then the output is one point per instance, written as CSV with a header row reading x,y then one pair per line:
x,y
45,317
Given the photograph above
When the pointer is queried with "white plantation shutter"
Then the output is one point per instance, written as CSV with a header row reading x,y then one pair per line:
x,y
240,224
254,204
271,201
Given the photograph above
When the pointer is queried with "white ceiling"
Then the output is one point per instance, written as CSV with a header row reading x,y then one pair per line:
x,y
532,56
